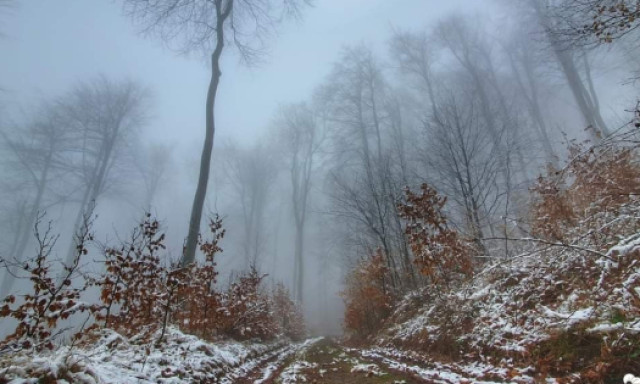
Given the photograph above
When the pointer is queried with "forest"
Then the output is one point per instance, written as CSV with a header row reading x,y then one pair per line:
x,y
289,191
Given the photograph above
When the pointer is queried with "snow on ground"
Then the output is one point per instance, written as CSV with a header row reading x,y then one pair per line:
x,y
440,373
294,373
368,369
512,307
271,368
113,359
250,365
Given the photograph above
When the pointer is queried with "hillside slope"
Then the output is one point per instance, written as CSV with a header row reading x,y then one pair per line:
x,y
563,303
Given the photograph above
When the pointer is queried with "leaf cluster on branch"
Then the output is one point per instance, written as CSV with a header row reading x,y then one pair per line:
x,y
368,297
612,19
589,198
440,252
53,297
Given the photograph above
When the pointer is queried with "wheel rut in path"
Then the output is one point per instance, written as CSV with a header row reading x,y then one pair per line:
x,y
325,361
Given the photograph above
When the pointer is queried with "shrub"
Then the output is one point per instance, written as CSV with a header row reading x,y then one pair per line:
x,y
53,298
132,285
591,195
140,295
588,213
367,297
245,309
198,313
287,314
442,255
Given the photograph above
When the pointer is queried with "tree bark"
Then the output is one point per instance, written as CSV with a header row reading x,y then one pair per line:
x,y
588,106
93,191
205,161
299,262
9,279
581,95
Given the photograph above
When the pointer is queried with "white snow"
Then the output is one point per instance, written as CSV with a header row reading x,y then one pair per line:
x,y
369,369
294,373
113,359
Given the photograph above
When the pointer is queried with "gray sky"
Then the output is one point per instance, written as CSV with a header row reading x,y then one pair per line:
x,y
49,45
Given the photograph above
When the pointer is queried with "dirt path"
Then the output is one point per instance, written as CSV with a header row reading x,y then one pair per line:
x,y
327,362
323,360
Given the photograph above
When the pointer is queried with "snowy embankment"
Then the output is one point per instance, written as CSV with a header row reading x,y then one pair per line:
x,y
559,313
111,358
425,368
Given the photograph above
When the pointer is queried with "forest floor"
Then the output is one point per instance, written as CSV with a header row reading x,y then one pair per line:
x,y
114,359
326,361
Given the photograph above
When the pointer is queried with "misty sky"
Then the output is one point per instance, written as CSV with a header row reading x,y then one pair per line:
x,y
49,45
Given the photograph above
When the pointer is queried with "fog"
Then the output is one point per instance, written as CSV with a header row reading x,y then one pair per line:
x,y
315,141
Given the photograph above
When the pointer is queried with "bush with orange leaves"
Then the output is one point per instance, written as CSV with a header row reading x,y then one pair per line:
x,y
287,314
51,299
585,223
442,255
588,200
245,310
367,297
132,285
197,313
141,295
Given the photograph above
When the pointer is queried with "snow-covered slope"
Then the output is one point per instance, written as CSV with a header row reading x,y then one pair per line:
x,y
554,311
114,359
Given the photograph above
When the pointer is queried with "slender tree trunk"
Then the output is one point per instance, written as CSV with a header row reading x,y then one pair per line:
x,y
299,263
581,95
376,122
8,281
205,161
21,226
536,111
92,193
586,105
531,96
593,97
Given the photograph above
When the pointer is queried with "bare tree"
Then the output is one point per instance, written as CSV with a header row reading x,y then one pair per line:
x,y
520,51
364,181
461,160
206,26
467,125
36,159
153,169
583,90
251,173
103,115
472,51
300,136
594,21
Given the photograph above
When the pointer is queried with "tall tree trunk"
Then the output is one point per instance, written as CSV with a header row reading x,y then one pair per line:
x,y
581,95
299,262
586,104
21,226
530,94
92,193
593,97
536,111
9,279
205,161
